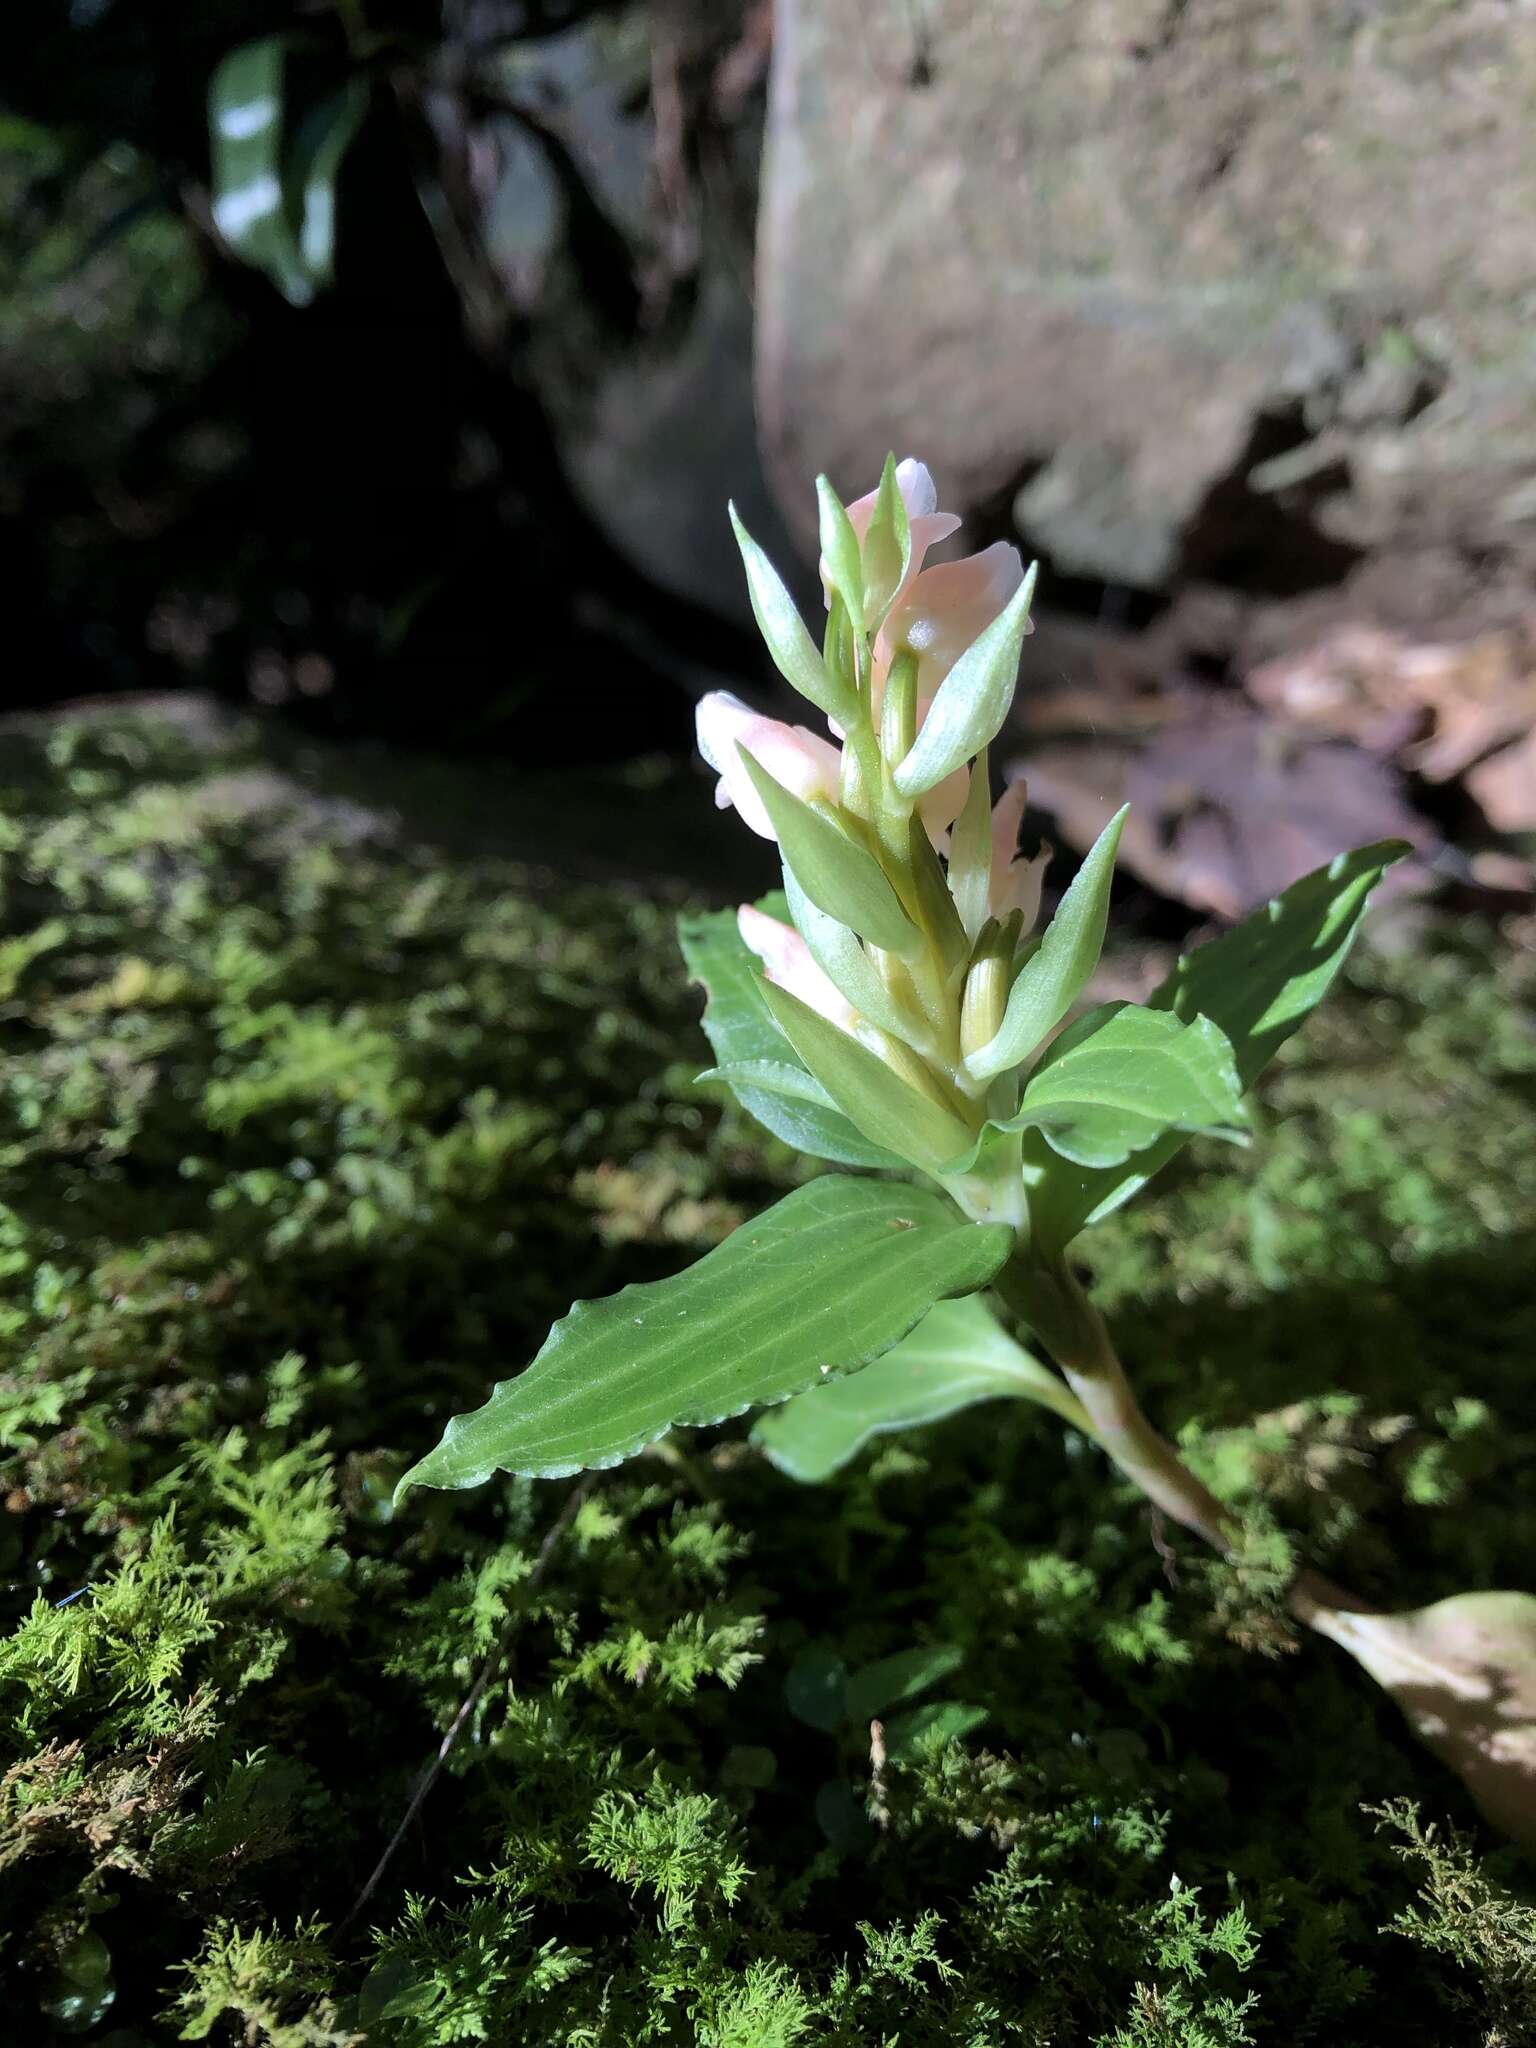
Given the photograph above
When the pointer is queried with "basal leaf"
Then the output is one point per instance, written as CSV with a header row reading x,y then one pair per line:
x,y
959,1354
820,1284
744,1035
1257,983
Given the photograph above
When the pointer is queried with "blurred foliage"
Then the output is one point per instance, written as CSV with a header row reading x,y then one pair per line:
x,y
305,1134
355,507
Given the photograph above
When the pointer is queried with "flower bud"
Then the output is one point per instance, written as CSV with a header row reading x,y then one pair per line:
x,y
985,1000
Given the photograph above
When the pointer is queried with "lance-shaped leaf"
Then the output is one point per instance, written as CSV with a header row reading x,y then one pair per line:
x,y
887,552
795,654
1057,973
821,1284
970,851
842,561
846,964
959,1354
245,120
274,196
837,874
1464,1673
1257,983
322,141
746,1040
887,1109
1122,1076
973,699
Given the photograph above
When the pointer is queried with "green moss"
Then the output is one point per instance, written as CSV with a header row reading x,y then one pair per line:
x,y
305,1135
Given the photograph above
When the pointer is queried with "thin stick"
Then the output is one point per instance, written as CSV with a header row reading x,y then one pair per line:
x,y
432,1768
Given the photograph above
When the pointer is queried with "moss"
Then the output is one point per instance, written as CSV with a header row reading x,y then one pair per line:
x,y
306,1134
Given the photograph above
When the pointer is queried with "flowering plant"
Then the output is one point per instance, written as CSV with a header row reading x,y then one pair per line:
x,y
896,1008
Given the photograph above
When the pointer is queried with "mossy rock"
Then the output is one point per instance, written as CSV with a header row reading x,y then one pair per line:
x,y
306,1132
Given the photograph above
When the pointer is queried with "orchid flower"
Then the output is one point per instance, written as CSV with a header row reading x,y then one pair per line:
x,y
793,755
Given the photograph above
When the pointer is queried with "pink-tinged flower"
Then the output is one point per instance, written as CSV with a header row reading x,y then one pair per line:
x,y
928,524
1015,884
787,962
948,607
801,760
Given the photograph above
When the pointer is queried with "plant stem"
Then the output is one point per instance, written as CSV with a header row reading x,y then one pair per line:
x,y
1074,1331
1070,1325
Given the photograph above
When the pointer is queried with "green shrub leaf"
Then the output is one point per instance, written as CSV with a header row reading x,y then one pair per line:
x,y
819,1284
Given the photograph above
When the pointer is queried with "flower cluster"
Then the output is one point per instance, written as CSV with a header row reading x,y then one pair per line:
x,y
912,909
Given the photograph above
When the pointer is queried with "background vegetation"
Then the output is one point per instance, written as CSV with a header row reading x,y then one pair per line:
x,y
307,1130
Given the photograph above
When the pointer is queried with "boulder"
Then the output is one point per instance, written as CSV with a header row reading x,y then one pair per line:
x,y
1180,286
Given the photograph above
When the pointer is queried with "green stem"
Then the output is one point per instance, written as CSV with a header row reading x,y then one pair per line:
x,y
1055,1306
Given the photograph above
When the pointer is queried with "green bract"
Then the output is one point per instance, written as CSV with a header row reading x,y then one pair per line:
x,y
747,1042
1052,980
972,701
887,551
784,632
835,872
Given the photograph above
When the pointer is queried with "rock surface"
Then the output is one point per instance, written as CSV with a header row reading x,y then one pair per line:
x,y
1188,286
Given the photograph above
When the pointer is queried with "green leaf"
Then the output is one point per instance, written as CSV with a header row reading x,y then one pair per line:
x,y
785,634
972,700
1122,1076
822,1283
274,197
840,550
1056,974
836,873
949,1720
844,961
958,1355
1262,979
887,552
813,1691
245,119
1257,984
887,1109
779,1077
876,1688
744,1035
